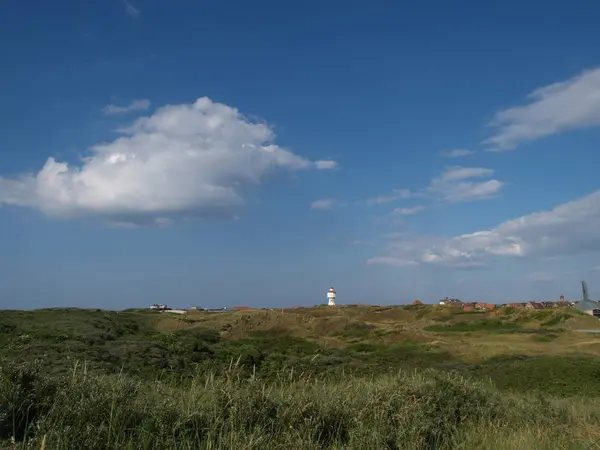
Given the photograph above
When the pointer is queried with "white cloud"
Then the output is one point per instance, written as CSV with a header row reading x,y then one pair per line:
x,y
397,194
182,161
326,164
570,228
456,153
136,105
455,173
559,107
323,205
131,10
456,184
392,261
408,211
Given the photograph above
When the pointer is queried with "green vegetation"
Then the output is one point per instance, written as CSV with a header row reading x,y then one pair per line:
x,y
480,325
361,377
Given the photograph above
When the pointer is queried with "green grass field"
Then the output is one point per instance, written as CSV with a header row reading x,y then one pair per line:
x,y
420,377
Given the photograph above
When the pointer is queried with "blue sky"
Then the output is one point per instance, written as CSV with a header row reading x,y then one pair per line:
x,y
234,153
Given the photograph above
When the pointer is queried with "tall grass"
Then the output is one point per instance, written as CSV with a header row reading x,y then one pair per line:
x,y
408,410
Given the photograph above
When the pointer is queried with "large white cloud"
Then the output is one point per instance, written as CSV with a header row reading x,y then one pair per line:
x,y
184,160
570,228
559,107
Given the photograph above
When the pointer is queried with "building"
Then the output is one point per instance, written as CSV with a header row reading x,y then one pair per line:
x,y
224,309
586,305
484,306
517,305
450,301
159,307
589,307
331,297
535,305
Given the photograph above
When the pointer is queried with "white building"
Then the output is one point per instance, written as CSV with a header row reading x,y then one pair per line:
x,y
331,297
158,307
175,311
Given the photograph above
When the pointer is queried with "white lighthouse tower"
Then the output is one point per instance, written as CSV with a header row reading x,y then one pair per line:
x,y
331,297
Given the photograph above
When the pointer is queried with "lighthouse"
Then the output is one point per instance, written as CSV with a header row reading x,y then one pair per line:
x,y
331,297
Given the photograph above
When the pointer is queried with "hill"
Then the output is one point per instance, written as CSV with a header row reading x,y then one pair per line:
x,y
498,357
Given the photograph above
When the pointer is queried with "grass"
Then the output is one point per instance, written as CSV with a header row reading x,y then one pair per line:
x,y
361,377
426,410
480,325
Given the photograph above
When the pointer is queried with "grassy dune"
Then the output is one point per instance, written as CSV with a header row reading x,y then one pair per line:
x,y
346,377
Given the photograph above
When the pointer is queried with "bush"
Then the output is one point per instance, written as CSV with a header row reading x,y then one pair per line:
x,y
26,395
420,410
478,325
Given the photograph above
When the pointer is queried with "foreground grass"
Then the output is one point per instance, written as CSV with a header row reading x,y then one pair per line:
x,y
407,410
387,378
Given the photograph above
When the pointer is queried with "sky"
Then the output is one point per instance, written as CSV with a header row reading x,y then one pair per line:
x,y
257,153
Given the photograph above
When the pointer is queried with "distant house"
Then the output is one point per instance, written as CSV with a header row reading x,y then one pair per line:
x,y
216,309
517,305
535,305
554,304
158,307
485,306
450,301
175,311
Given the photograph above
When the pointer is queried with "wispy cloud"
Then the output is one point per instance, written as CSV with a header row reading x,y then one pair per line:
x,y
456,153
455,173
323,205
408,211
556,108
326,164
135,105
397,194
131,10
570,228
456,184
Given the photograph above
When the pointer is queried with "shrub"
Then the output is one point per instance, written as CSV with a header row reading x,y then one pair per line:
x,y
419,410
